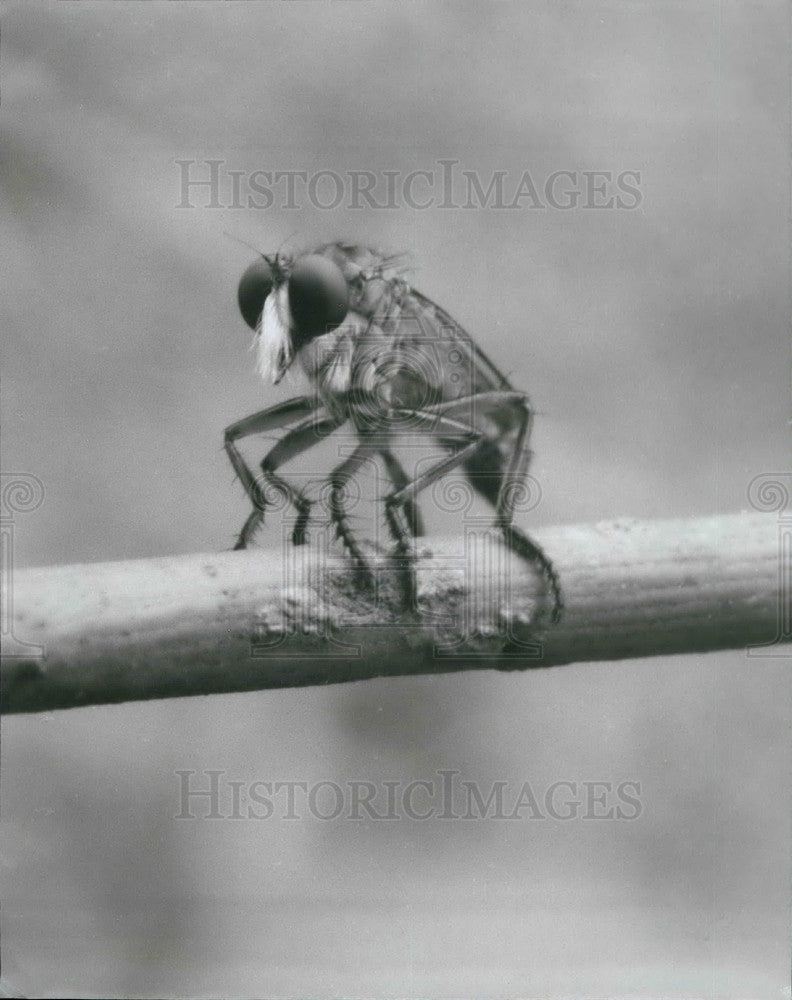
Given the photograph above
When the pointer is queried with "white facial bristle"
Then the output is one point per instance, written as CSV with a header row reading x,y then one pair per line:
x,y
273,345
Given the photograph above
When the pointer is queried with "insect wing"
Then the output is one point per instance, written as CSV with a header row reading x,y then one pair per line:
x,y
487,403
440,362
482,374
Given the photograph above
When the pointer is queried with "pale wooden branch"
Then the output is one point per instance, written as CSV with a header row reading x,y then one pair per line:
x,y
199,624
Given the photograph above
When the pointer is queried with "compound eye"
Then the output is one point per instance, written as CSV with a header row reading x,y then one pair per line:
x,y
254,286
318,296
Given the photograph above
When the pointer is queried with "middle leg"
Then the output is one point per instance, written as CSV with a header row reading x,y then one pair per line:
x,y
339,478
402,499
400,480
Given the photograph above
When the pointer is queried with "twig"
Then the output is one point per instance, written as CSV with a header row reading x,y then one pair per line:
x,y
242,621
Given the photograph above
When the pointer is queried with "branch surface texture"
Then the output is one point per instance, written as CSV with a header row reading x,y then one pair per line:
x,y
241,621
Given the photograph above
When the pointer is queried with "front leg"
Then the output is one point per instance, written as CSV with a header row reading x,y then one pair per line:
x,y
293,443
270,419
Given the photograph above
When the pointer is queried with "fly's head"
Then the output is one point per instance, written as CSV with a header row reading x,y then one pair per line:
x,y
315,306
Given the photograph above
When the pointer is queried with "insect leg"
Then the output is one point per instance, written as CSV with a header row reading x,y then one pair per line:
x,y
295,441
299,531
401,479
492,399
338,480
497,414
517,469
507,492
397,501
468,439
257,423
519,542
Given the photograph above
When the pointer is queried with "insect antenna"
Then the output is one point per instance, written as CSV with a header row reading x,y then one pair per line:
x,y
274,260
238,239
284,242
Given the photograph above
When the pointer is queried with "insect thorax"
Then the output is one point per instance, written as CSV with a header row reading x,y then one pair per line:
x,y
355,360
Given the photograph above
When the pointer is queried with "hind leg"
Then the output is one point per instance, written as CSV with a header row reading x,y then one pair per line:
x,y
514,481
484,467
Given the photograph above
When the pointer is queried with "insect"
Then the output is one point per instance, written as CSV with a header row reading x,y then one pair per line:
x,y
382,357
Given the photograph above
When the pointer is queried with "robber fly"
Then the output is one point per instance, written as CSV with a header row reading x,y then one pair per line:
x,y
383,357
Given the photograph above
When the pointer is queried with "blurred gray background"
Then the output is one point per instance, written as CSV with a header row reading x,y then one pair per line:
x,y
653,342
